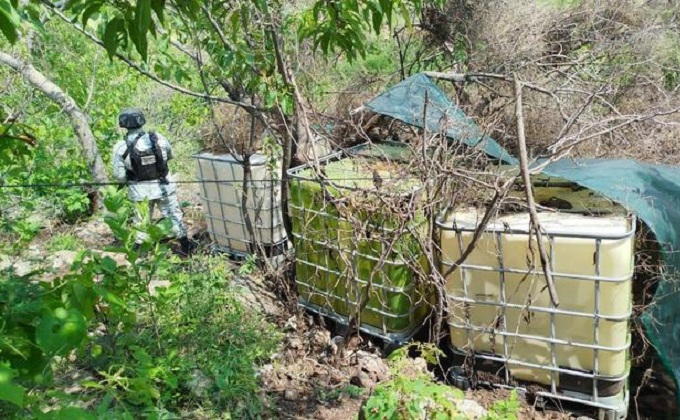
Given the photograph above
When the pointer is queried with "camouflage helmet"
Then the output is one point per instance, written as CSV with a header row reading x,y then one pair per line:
x,y
131,118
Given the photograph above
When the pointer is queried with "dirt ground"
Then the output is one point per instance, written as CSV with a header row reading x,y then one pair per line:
x,y
309,381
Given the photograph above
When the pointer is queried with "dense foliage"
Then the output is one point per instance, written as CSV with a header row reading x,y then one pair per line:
x,y
188,346
146,348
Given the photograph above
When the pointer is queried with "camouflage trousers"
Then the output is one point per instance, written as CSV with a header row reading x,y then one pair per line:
x,y
169,209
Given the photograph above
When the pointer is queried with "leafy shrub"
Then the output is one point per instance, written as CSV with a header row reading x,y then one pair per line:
x,y
165,337
66,166
411,393
38,320
214,342
504,409
414,394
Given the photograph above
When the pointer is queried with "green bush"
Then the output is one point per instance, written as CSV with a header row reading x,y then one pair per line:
x,y
191,345
411,393
187,345
414,394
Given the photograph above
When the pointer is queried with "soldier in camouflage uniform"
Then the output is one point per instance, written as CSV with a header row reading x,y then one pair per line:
x,y
141,160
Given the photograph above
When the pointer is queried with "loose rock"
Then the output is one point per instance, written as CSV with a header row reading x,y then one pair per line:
x,y
199,383
375,367
363,380
471,409
290,394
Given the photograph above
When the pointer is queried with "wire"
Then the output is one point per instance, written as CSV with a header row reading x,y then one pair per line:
x,y
104,184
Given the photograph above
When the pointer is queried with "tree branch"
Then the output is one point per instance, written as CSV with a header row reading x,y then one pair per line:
x,y
180,47
79,120
217,28
150,75
567,127
474,77
526,178
628,120
499,195
92,85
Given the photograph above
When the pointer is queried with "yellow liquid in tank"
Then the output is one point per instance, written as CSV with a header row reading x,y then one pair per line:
x,y
570,256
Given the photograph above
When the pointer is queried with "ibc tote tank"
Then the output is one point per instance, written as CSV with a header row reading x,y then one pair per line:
x,y
499,306
221,178
365,249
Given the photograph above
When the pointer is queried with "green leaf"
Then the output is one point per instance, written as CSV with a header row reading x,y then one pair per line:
x,y
96,350
324,42
110,297
142,22
92,385
316,10
61,330
405,13
109,265
286,105
90,10
68,413
235,21
31,13
9,391
377,18
158,6
113,29
9,21
387,7
85,298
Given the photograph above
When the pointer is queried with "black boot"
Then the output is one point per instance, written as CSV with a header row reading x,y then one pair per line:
x,y
187,245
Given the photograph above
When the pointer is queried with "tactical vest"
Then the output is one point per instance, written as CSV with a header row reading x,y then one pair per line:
x,y
146,165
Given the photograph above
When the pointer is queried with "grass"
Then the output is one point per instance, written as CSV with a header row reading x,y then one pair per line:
x,y
559,4
64,242
215,342
193,351
333,395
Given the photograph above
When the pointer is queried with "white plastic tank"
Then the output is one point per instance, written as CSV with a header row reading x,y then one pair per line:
x,y
221,177
498,302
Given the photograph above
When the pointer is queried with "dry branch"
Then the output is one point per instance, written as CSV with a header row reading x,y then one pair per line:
x,y
499,195
476,76
526,178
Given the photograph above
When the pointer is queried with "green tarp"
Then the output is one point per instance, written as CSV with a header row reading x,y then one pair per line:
x,y
406,101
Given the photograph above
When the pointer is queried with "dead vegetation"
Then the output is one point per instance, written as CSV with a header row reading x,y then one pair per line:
x,y
618,57
231,130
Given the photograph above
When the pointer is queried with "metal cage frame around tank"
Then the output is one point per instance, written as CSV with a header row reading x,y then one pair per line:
x,y
271,249
392,338
617,404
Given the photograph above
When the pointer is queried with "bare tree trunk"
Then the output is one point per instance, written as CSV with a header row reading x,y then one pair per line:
x,y
78,119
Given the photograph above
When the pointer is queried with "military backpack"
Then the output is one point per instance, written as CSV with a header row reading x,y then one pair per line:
x,y
147,165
